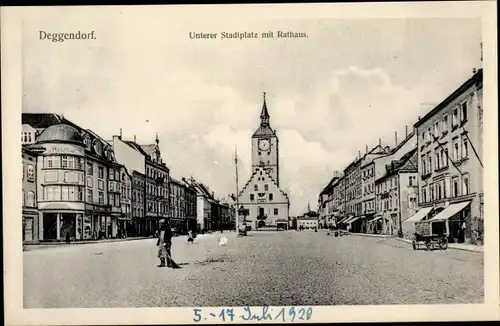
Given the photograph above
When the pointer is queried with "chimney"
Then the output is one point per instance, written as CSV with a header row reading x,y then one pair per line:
x,y
359,154
380,142
120,134
366,149
406,131
396,138
135,139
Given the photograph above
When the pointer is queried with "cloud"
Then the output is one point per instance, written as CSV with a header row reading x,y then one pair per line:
x,y
327,100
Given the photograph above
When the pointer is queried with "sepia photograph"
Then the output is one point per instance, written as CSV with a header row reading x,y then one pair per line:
x,y
256,165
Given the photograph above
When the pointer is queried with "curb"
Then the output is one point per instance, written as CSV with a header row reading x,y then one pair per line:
x,y
31,247
450,246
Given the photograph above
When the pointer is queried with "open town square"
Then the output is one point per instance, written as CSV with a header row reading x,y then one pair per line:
x,y
285,171
278,268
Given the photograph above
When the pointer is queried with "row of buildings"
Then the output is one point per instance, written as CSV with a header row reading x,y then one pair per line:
x,y
435,172
77,184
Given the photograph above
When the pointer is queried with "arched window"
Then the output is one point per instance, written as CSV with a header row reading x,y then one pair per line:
x,y
31,199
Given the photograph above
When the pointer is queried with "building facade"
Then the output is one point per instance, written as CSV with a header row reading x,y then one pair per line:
x,y
125,221
75,198
307,223
266,202
29,198
396,195
450,151
177,206
138,204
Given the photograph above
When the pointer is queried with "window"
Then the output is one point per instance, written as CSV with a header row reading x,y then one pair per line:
x,y
31,173
438,160
444,125
275,211
117,175
424,165
270,196
454,187
429,134
64,192
455,117
89,196
111,199
101,197
252,197
463,109
90,168
465,186
80,193
465,147
30,202
100,172
455,150
71,162
111,174
429,161
410,181
423,136
432,192
50,162
256,187
436,129
100,184
64,162
266,187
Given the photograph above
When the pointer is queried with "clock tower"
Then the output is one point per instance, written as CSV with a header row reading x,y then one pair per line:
x,y
265,146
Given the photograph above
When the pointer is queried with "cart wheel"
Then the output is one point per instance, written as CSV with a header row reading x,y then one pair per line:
x,y
443,244
428,245
414,244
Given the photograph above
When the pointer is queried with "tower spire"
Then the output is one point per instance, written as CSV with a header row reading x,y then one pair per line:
x,y
264,115
157,140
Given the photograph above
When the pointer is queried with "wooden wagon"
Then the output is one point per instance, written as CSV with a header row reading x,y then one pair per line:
x,y
432,234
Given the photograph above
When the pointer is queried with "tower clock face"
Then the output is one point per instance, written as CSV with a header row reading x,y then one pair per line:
x,y
264,144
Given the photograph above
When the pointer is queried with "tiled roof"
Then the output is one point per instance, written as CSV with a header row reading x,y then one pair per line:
x,y
150,148
40,120
264,130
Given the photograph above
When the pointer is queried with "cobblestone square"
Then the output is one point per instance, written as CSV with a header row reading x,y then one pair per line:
x,y
277,268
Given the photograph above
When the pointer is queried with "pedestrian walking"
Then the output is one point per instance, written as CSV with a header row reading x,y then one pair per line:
x,y
164,244
68,239
190,237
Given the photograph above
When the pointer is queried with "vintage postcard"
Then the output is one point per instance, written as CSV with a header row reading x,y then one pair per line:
x,y
250,163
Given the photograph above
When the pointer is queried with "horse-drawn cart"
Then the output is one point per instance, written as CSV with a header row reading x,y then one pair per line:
x,y
431,234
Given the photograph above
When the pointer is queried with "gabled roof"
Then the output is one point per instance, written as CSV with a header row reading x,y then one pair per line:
x,y
273,182
402,165
149,148
135,146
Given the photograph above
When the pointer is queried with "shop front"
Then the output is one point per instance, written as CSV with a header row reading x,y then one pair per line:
x,y
97,222
57,221
30,226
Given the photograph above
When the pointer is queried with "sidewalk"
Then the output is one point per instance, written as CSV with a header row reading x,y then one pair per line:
x,y
45,245
457,246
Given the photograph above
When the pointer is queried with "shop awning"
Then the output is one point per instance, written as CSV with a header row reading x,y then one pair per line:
x,y
354,219
419,215
349,219
344,219
450,211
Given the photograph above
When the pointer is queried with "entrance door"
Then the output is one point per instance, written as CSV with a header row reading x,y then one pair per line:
x,y
261,211
49,226
28,229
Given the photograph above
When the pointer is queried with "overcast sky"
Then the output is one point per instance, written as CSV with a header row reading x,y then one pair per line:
x,y
347,84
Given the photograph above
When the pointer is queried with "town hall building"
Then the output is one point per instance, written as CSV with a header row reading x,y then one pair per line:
x,y
267,204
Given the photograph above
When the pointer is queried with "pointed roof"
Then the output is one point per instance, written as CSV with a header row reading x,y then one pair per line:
x,y
265,129
270,177
264,114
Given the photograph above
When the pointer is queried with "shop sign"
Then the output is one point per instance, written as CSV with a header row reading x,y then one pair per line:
x,y
58,149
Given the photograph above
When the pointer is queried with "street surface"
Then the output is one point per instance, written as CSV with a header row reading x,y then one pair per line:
x,y
273,268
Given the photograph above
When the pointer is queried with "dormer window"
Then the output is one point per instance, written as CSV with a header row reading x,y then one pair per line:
x,y
98,148
87,143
